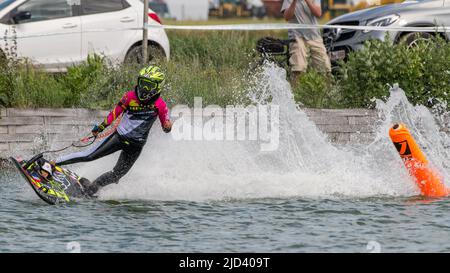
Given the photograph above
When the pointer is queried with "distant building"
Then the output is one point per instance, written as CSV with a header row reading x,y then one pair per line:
x,y
189,9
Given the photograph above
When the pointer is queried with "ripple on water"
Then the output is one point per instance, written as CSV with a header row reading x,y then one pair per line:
x,y
273,225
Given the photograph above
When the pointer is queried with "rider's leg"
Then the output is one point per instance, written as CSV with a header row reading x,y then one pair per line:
x,y
126,160
106,147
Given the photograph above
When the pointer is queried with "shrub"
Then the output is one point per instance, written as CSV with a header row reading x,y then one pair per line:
x,y
6,82
33,87
422,71
317,90
97,83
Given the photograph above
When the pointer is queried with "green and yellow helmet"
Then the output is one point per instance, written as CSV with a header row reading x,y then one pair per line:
x,y
149,83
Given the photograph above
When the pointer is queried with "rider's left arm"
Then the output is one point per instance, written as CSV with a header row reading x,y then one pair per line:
x,y
163,113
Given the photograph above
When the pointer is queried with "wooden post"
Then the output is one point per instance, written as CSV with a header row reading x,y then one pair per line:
x,y
145,34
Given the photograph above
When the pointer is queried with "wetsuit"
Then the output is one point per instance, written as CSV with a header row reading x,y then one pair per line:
x,y
130,137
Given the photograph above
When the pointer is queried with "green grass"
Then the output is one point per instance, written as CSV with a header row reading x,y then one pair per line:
x,y
213,65
216,66
228,21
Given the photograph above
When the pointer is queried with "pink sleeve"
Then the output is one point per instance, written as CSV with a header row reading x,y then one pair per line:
x,y
118,110
163,111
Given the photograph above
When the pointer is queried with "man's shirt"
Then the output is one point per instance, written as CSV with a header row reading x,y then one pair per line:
x,y
303,15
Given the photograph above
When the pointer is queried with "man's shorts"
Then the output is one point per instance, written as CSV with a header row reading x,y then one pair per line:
x,y
301,50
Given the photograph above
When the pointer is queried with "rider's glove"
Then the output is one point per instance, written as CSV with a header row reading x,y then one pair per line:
x,y
98,128
167,126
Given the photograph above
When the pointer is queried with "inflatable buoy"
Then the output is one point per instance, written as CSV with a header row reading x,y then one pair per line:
x,y
427,179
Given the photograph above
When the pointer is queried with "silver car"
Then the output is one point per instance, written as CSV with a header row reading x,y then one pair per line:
x,y
421,13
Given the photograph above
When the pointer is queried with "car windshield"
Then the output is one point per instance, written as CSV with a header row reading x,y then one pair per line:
x,y
5,3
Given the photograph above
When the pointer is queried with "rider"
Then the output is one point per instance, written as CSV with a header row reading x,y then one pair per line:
x,y
140,108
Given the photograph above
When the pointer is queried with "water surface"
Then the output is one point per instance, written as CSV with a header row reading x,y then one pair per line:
x,y
248,225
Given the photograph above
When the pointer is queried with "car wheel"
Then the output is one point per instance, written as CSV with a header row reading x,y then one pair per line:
x,y
134,55
413,39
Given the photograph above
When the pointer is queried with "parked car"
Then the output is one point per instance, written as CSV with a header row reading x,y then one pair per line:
x,y
421,13
59,33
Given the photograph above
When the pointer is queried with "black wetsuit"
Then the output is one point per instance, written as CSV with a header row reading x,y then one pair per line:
x,y
130,153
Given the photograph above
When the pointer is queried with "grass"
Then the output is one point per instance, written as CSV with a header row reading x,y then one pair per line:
x,y
227,21
230,21
216,66
213,65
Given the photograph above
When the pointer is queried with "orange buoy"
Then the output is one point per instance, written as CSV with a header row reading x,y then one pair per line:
x,y
427,179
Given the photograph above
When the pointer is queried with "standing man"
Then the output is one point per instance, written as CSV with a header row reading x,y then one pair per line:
x,y
308,42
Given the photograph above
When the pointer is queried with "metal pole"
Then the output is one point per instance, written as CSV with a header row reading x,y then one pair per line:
x,y
145,34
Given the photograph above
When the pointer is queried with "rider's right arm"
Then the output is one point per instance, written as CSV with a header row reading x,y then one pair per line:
x,y
117,111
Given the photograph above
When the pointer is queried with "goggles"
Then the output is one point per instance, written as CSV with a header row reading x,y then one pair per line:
x,y
147,84
147,88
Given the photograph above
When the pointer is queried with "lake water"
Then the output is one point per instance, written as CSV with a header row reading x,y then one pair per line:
x,y
253,225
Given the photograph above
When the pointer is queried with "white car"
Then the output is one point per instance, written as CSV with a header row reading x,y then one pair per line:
x,y
59,33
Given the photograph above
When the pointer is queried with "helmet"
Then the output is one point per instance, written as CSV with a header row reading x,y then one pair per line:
x,y
149,83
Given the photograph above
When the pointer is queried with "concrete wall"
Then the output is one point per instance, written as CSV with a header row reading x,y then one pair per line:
x,y
345,125
25,131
